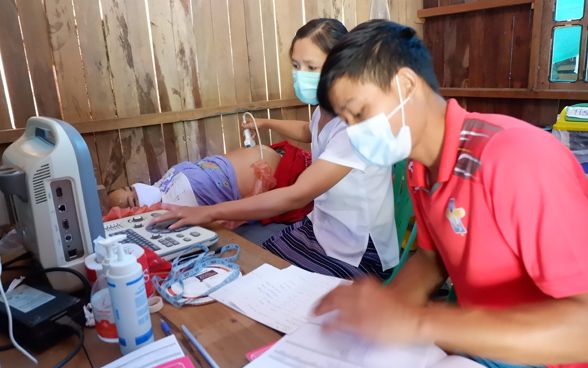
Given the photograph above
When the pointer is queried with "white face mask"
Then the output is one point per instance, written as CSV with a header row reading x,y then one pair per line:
x,y
374,141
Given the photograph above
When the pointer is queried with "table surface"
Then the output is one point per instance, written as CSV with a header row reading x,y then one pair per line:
x,y
226,334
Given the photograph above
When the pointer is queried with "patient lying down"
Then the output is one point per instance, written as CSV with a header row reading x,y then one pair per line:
x,y
219,178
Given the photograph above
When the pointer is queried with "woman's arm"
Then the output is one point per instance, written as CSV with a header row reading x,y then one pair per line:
x,y
314,181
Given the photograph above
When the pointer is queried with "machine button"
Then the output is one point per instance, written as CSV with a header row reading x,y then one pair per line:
x,y
187,239
137,218
195,234
180,235
155,236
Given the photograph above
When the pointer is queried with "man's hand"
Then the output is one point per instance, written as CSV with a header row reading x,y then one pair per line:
x,y
369,309
185,215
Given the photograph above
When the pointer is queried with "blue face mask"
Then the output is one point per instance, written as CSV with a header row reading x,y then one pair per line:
x,y
305,86
374,141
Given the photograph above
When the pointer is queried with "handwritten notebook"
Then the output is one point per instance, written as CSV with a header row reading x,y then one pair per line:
x,y
163,353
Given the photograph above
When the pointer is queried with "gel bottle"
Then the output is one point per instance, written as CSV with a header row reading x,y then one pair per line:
x,y
129,300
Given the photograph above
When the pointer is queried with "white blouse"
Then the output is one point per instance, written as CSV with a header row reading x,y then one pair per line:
x,y
360,205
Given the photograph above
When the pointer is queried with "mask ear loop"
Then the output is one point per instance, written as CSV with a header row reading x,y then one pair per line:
x,y
401,100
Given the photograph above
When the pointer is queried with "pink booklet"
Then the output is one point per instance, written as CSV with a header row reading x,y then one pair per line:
x,y
183,362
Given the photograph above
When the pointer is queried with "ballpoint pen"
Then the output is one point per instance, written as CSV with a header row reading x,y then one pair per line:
x,y
165,327
199,347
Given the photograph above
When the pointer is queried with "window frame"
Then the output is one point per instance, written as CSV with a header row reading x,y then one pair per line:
x,y
546,47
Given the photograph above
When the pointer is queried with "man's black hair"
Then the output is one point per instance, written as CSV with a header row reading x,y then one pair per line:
x,y
373,52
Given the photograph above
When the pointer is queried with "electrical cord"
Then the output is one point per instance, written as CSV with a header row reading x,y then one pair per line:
x,y
9,315
76,329
22,257
82,278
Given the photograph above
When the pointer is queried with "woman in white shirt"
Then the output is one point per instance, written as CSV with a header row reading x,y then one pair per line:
x,y
351,230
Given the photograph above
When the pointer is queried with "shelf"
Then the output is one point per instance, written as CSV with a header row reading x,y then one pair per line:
x,y
469,7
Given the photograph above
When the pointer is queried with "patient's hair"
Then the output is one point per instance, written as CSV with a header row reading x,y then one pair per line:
x,y
323,32
373,52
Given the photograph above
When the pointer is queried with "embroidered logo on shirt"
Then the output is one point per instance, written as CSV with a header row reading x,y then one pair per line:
x,y
454,215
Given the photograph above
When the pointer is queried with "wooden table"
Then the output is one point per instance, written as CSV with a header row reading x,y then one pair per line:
x,y
226,334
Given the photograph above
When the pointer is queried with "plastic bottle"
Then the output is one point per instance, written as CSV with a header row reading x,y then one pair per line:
x,y
100,296
102,310
129,298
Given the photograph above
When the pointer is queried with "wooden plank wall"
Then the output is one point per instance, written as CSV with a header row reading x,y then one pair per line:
x,y
488,49
84,61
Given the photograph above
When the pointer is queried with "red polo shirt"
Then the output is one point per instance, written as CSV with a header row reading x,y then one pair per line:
x,y
508,212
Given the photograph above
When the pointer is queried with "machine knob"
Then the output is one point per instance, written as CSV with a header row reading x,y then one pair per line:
x,y
155,236
137,218
138,226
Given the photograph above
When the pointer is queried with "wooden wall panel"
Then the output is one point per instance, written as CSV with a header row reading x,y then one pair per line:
x,y
97,74
362,11
126,95
207,72
168,83
68,61
95,57
536,112
185,51
4,114
349,13
289,20
90,140
222,55
256,59
462,44
40,59
108,59
15,64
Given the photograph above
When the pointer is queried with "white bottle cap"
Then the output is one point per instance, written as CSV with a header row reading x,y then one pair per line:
x,y
109,244
123,264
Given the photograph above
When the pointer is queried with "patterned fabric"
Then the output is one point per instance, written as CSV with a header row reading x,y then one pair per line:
x,y
298,245
213,179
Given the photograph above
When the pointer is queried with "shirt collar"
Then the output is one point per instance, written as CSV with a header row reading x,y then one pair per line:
x,y
454,118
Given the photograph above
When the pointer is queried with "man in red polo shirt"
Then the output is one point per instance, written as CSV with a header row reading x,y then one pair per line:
x,y
501,208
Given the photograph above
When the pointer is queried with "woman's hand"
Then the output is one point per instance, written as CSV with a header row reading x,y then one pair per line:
x,y
185,215
248,123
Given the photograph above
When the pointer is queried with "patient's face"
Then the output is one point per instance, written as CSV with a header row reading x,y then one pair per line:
x,y
123,197
306,56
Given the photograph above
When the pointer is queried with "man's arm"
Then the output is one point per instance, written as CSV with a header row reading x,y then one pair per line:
x,y
550,332
419,277
553,332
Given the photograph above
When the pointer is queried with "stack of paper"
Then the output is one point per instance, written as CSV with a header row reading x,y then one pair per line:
x,y
309,346
163,353
280,299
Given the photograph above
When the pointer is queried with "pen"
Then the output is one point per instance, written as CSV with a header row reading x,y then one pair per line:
x,y
199,347
165,327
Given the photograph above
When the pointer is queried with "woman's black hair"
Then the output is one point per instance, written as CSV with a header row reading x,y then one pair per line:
x,y
323,32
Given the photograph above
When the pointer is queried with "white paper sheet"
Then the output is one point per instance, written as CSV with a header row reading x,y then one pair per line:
x,y
309,346
280,299
152,355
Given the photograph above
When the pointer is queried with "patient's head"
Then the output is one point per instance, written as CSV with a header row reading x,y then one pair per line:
x,y
134,196
312,43
123,197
